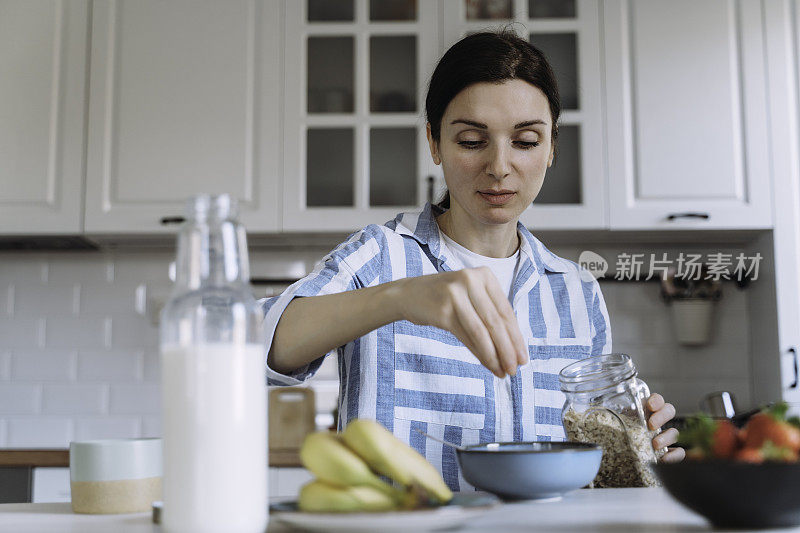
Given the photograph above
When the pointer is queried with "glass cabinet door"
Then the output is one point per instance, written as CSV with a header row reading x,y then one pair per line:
x,y
355,151
567,32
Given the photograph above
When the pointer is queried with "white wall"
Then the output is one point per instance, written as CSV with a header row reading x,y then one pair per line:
x,y
78,362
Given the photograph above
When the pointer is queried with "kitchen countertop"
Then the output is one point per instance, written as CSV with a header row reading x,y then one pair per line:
x,y
606,510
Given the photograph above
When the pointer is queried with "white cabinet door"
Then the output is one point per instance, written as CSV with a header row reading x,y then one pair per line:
x,y
687,114
42,81
184,99
355,146
568,34
785,156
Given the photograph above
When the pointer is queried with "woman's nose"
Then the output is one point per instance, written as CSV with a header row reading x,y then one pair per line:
x,y
498,165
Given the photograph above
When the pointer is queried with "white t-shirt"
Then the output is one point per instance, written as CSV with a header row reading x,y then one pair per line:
x,y
505,269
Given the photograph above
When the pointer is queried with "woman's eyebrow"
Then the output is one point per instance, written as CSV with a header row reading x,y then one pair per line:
x,y
484,126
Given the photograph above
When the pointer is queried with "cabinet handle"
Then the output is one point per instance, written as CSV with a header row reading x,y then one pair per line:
x,y
673,216
794,362
430,180
166,221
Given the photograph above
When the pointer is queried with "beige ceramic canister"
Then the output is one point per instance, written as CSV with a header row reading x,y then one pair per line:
x,y
115,475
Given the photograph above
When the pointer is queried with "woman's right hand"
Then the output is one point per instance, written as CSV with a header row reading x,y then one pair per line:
x,y
470,304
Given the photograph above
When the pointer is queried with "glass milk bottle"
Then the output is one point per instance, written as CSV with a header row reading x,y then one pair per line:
x,y
213,381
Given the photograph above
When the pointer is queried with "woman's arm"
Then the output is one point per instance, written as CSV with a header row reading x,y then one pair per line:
x,y
315,325
469,303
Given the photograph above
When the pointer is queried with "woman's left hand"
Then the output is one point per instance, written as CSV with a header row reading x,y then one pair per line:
x,y
661,413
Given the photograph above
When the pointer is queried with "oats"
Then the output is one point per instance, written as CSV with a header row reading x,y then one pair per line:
x,y
627,452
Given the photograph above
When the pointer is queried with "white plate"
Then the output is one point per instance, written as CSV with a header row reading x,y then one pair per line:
x,y
465,505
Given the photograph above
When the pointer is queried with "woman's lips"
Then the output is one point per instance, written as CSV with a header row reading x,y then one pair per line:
x,y
497,199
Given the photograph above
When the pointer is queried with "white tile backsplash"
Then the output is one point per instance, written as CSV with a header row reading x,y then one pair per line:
x,y
81,333
23,269
132,331
19,399
61,300
16,333
151,426
151,365
75,399
118,298
140,398
43,365
95,374
89,269
39,432
110,427
109,365
5,366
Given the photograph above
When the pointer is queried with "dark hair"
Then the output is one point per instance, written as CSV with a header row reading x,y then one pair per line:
x,y
492,57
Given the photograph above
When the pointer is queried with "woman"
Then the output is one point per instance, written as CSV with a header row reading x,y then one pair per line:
x,y
456,320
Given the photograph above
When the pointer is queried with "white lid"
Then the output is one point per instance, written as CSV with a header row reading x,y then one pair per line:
x,y
115,459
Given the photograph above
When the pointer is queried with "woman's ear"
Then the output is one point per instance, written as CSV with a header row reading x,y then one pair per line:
x,y
433,145
552,155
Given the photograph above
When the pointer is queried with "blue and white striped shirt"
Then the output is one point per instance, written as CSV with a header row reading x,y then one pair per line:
x,y
408,376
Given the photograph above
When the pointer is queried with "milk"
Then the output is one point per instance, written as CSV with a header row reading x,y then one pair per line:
x,y
215,438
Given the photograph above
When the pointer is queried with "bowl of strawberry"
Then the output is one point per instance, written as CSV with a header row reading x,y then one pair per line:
x,y
739,478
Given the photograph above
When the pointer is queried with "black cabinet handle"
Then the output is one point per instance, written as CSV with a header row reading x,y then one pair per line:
x,y
673,216
794,361
165,221
430,180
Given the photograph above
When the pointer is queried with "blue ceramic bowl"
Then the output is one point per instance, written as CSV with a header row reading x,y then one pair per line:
x,y
530,470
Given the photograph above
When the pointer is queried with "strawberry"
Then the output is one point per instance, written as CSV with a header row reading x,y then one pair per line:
x,y
750,455
771,425
724,440
710,438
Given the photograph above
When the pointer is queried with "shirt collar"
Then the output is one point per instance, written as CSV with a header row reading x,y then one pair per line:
x,y
422,227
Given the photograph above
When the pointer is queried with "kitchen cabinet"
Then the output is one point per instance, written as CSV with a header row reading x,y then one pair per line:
x,y
183,100
775,302
687,115
362,74
42,82
355,150
568,33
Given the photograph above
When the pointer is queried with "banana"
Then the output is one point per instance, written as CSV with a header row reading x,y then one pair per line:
x,y
388,455
331,461
321,497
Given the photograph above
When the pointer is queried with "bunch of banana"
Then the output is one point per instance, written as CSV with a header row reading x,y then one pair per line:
x,y
346,467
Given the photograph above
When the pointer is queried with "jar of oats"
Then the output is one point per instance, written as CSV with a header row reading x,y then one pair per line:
x,y
605,405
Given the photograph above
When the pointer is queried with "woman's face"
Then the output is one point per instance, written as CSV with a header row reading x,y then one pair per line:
x,y
495,137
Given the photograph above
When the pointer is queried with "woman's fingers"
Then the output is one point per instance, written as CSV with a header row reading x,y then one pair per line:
x,y
674,455
495,323
509,319
474,328
655,402
462,335
665,439
662,416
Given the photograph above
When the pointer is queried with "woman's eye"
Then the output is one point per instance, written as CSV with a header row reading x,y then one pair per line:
x,y
470,145
525,145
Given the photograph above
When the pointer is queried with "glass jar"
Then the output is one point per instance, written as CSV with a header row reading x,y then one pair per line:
x,y
605,405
